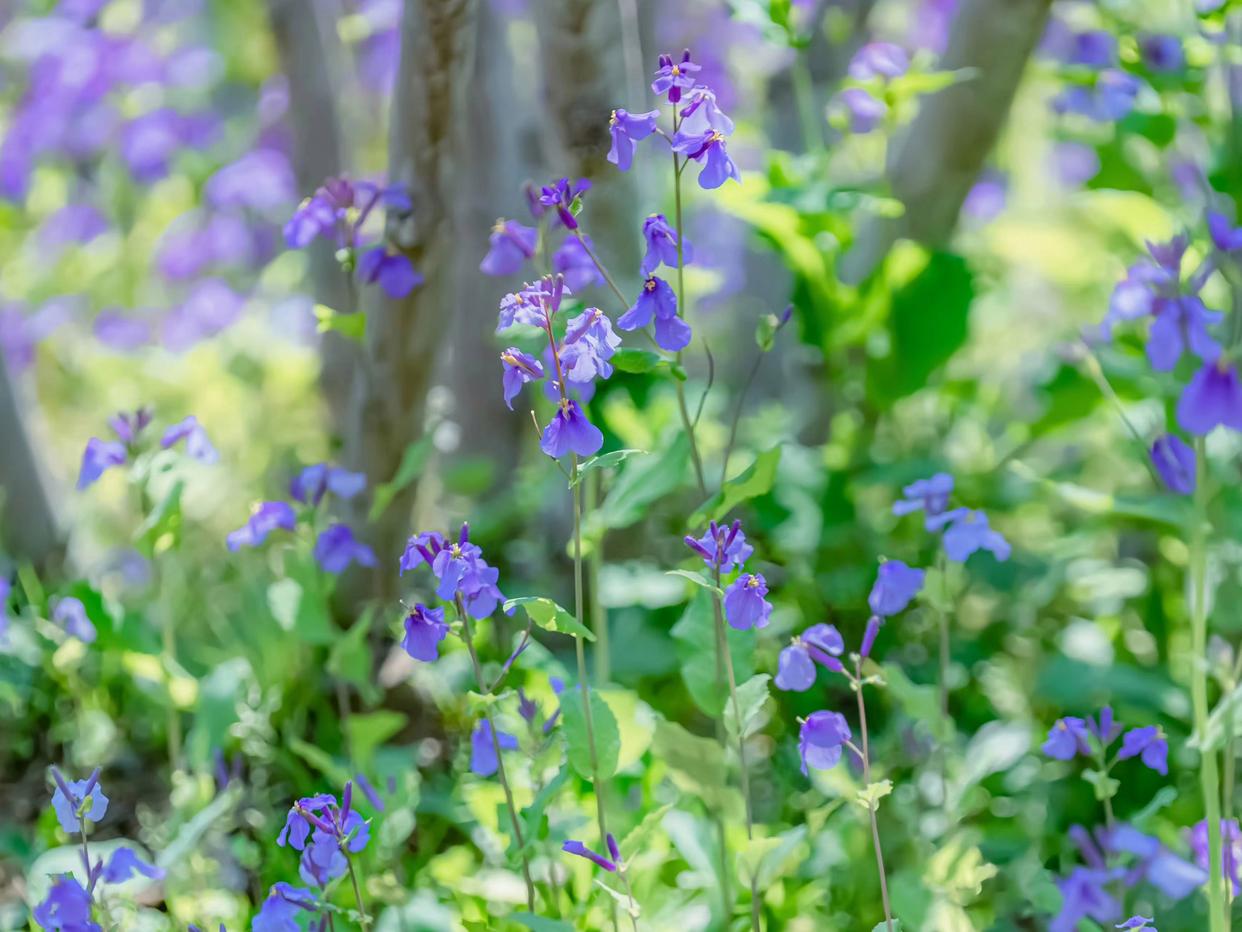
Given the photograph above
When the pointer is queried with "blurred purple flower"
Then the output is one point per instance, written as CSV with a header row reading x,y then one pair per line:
x,y
895,585
322,860
1075,163
1174,460
124,864
986,199
1092,48
970,532
820,740
1225,236
210,307
424,630
337,547
129,425
66,907
510,245
744,604
119,332
1067,738
930,496
565,196
674,78
1181,326
1162,53
1231,850
280,911
73,223
98,457
265,518
197,444
1138,923
1212,397
392,271
261,180
702,115
574,262
820,643
149,142
627,130
483,760
1149,745
883,60
865,112
519,368
1085,894
314,482
582,851
722,547
661,241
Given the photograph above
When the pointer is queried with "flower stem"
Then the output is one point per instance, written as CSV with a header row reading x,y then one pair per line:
x,y
365,917
722,648
1209,780
584,684
623,871
86,857
875,825
595,564
468,637
942,621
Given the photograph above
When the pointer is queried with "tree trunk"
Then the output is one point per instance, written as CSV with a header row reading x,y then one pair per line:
x,y
403,338
29,529
312,60
938,158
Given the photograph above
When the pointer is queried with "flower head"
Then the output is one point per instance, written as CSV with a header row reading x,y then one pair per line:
x,y
895,585
1149,745
483,759
460,568
701,113
565,197
722,547
883,60
661,240
314,482
197,444
510,245
129,425
265,518
744,604
930,496
971,532
820,740
1174,460
392,271
582,851
534,305
712,154
337,547
280,911
570,431
1225,236
98,457
627,130
519,368
78,801
674,78
820,643
1067,738
424,630
1213,397
66,907
70,614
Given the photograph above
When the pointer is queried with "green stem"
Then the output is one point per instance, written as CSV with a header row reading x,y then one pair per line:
x,y
595,564
1209,781
942,620
624,873
365,917
875,825
86,855
468,637
722,642
804,95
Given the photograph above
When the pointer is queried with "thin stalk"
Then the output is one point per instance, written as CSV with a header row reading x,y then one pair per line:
x,y
1226,790
875,825
942,622
1096,372
737,416
599,616
1209,781
584,684
468,637
722,647
86,856
804,96
616,290
623,872
365,917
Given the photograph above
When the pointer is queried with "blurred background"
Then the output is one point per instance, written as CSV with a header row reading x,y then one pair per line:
x,y
944,254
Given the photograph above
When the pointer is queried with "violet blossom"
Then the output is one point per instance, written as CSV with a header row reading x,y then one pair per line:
x,y
627,130
1174,460
197,444
674,78
314,482
393,271
722,547
744,604
78,801
820,740
460,568
930,496
98,457
582,851
483,760
569,431
510,245
969,533
519,368
337,547
67,906
661,239
710,151
264,518
821,643
424,630
566,198
1212,398
896,584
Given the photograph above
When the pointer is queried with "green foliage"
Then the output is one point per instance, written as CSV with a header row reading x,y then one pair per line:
x,y
606,735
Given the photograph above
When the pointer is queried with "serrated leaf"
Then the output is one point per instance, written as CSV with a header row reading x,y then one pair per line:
x,y
870,795
548,615
413,462
698,579
605,461
751,697
352,326
755,480
604,729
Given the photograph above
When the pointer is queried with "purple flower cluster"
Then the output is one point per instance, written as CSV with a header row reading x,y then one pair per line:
x,y
1071,737
968,530
337,211
724,549
102,455
873,67
326,834
461,571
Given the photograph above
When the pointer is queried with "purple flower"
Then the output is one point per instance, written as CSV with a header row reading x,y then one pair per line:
x,y
870,633
1137,923
661,241
1084,893
1231,850
570,431
314,482
721,547
970,532
260,180
322,860
392,271
865,111
459,567
510,245
424,630
1212,397
197,444
98,457
930,496
657,302
66,907
124,864
316,216
574,262
565,196
710,151
71,797
1174,460
1173,876
1181,325
1225,236
483,760
587,347
73,223
582,851
627,130
534,305
336,548
209,308
744,604
264,518
1067,738
796,668
129,425
519,368
821,739
280,911
879,60
70,614
6,589
673,78
1162,52
1149,745
701,114
895,585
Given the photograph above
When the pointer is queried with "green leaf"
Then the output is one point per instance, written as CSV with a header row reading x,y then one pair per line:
x,y
636,840
320,760
548,615
883,926
532,818
783,858
368,731
927,324
219,693
695,634
541,923
641,481
636,360
605,461
1227,712
696,764
413,462
870,795
350,658
164,520
1106,787
353,326
604,727
751,856
755,480
698,579
751,697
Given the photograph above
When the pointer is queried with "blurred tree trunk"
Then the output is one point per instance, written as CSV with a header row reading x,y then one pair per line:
x,y
937,159
29,529
404,337
311,57
498,120
583,62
